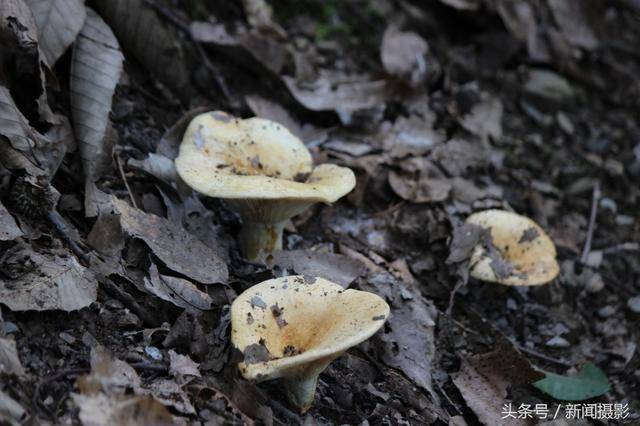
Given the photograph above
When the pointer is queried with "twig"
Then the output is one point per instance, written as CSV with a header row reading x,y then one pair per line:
x,y
126,183
592,222
541,355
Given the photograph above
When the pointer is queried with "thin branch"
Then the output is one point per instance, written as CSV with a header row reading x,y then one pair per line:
x,y
592,222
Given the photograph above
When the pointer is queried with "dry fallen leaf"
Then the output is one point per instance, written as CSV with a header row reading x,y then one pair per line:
x,y
59,22
50,282
422,190
9,230
182,367
483,381
172,244
157,47
178,291
19,35
26,148
333,92
403,54
408,336
336,268
485,119
95,70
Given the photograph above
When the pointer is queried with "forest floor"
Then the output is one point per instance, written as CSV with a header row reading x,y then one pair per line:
x,y
441,111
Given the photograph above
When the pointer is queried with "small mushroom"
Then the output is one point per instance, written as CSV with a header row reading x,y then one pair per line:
x,y
293,327
515,251
263,171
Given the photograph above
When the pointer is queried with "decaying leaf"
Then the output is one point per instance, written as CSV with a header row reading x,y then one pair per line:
x,y
105,395
95,70
177,248
9,361
333,92
408,337
157,47
403,54
104,410
422,190
9,230
178,291
46,282
485,119
182,367
26,148
270,110
246,46
20,53
411,136
336,268
59,22
484,379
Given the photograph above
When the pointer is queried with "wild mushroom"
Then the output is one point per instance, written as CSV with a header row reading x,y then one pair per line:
x,y
293,327
515,251
263,171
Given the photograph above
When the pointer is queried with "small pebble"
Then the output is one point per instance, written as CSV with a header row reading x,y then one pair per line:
x,y
564,123
558,342
624,220
606,312
153,353
67,338
594,284
608,203
113,304
634,304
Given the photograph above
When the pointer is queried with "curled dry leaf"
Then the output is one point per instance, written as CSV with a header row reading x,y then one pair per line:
x,y
9,230
157,47
483,381
178,249
95,70
21,53
27,149
181,366
178,291
336,268
50,282
333,92
59,22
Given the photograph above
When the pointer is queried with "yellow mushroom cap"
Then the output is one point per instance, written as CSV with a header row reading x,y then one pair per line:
x,y
227,157
298,325
521,253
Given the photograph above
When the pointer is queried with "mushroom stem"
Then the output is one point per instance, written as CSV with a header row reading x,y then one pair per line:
x,y
301,391
257,239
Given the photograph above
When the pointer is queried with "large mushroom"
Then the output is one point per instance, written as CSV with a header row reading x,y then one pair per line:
x,y
293,327
263,171
514,251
